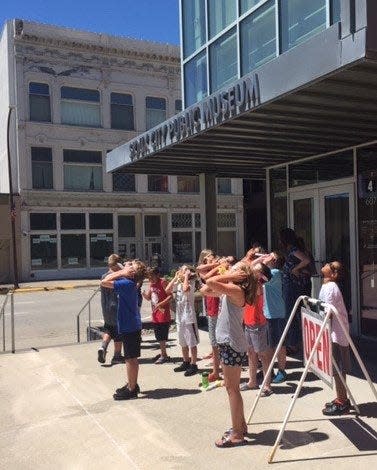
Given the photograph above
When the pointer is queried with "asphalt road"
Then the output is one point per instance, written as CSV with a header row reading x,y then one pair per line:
x,y
48,318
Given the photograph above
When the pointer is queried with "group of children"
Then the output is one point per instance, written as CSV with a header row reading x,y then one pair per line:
x,y
246,314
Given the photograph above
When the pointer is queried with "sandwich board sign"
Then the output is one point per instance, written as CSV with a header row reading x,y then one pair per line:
x,y
321,364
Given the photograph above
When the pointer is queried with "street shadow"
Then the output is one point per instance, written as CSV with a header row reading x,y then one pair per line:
x,y
304,390
296,376
358,432
368,410
290,439
151,360
161,393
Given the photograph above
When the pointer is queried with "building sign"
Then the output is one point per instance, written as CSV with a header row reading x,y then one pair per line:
x,y
242,96
321,364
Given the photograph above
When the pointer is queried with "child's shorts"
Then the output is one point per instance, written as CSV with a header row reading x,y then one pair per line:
x,y
230,357
161,331
112,330
342,356
275,330
257,338
212,322
188,335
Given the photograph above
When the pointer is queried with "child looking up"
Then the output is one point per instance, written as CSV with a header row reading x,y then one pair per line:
x,y
160,302
331,294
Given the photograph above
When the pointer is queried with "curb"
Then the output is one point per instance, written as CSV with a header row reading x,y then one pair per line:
x,y
25,290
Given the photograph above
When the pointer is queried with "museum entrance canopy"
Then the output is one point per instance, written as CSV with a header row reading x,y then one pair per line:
x,y
316,98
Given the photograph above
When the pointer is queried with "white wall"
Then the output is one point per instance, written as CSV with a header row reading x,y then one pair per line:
x,y
4,106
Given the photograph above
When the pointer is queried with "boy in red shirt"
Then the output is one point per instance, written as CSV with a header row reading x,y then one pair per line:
x,y
160,302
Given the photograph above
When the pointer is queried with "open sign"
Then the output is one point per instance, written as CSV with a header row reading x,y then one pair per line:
x,y
321,364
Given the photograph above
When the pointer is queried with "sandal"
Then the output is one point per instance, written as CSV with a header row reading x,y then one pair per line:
x,y
230,430
226,442
245,386
266,392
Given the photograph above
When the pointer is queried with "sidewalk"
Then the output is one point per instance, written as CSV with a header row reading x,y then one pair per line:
x,y
36,286
57,412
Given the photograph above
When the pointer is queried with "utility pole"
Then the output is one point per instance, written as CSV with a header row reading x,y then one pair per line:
x,y
12,207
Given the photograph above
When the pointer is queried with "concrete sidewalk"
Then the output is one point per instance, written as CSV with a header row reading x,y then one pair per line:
x,y
37,286
57,412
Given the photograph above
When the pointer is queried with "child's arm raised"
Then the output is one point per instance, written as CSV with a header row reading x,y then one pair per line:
x,y
227,284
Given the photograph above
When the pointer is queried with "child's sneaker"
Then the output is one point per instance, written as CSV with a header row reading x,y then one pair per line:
x,y
101,355
125,394
122,389
337,408
280,377
162,360
191,370
183,367
117,360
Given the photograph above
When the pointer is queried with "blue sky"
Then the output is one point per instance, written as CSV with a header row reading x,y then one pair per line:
x,y
154,20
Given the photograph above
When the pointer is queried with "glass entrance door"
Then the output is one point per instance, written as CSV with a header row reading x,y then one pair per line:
x,y
324,219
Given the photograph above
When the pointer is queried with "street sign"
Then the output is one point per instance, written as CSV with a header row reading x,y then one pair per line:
x,y
321,365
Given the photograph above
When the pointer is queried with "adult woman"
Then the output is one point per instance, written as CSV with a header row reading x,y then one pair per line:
x,y
236,287
296,281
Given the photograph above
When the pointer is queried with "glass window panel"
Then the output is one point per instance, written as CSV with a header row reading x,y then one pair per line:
x,y
335,11
100,220
122,111
196,79
181,220
323,169
155,111
303,221
198,244
221,13
42,175
224,185
73,250
193,25
81,94
82,156
39,102
80,114
245,5
39,89
82,177
124,182
155,103
42,221
223,60
197,221
226,243
126,226
278,203
226,220
188,184
158,183
258,37
70,221
101,247
43,252
367,222
182,247
300,20
152,225
121,98
41,154
178,106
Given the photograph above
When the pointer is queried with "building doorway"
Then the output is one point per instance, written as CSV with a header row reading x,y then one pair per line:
x,y
324,217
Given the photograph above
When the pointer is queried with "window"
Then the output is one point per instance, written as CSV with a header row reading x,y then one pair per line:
x,y
73,250
80,107
125,182
278,203
193,25
41,163
101,247
182,247
126,226
245,5
101,221
300,20
226,234
43,251
178,106
122,111
188,184
42,221
152,225
155,111
183,220
158,183
39,102
221,14
186,237
258,37
226,219
196,79
335,11
223,60
82,170
224,185
70,221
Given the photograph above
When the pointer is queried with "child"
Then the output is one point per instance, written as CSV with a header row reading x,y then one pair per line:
x,y
274,311
331,294
160,301
109,303
256,333
188,335
236,287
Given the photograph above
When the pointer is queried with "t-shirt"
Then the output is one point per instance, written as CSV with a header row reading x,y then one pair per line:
x,y
212,306
253,314
129,319
273,302
158,294
185,304
330,293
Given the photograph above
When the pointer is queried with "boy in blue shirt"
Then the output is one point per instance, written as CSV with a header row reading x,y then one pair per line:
x,y
124,282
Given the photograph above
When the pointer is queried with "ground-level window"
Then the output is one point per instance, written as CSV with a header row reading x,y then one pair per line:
x,y
43,251
73,247
278,203
186,237
101,247
226,234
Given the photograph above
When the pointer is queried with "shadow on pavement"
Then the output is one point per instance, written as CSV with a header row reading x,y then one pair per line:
x,y
162,393
368,409
362,436
290,440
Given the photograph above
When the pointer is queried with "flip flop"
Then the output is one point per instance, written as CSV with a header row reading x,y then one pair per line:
x,y
226,442
229,432
266,393
244,387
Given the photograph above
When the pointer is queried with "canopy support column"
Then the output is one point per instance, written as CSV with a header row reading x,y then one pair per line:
x,y
208,210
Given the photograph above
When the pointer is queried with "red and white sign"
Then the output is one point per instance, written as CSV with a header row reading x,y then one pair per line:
x,y
321,364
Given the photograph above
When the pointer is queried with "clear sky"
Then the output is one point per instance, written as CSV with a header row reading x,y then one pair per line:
x,y
154,20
